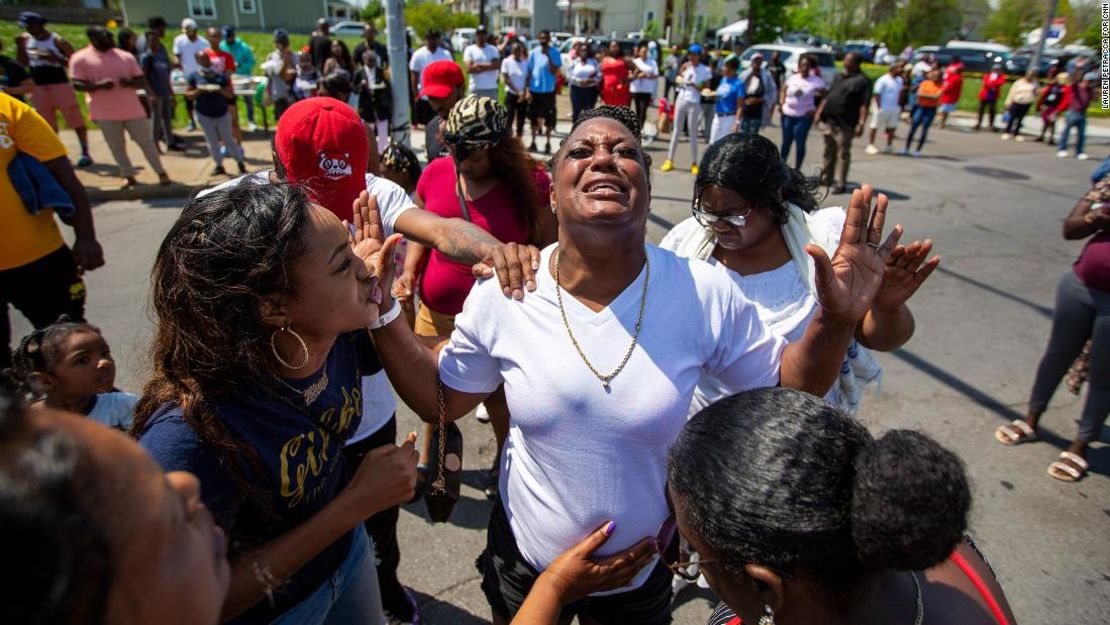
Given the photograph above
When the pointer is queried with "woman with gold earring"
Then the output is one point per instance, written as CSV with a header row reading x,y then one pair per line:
x,y
261,308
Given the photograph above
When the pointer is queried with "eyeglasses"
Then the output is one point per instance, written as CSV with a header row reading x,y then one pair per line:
x,y
708,220
667,546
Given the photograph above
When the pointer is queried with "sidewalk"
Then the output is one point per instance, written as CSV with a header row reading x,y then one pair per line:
x,y
189,170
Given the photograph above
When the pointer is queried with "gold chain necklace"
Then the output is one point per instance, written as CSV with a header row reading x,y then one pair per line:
x,y
605,379
312,393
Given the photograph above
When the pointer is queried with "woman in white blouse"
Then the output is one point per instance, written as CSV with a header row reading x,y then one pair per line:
x,y
644,80
599,365
584,76
753,220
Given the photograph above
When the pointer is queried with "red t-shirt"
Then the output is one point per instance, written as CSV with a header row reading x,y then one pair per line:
x,y
953,85
222,61
614,86
446,283
1093,266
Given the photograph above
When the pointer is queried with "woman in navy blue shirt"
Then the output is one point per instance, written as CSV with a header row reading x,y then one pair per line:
x,y
262,307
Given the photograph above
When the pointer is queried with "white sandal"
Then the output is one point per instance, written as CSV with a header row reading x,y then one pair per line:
x,y
1064,471
1015,433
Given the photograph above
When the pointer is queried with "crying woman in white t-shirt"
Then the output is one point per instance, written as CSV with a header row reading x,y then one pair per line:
x,y
600,363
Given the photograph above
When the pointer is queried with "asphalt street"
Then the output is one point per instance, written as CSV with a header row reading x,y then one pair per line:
x,y
994,210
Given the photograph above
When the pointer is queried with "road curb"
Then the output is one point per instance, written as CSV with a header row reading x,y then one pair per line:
x,y
140,192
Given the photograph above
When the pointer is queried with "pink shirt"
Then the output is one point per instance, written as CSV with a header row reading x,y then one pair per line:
x,y
1093,266
445,283
801,105
118,103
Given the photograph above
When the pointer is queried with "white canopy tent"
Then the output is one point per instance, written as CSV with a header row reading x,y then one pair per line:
x,y
733,30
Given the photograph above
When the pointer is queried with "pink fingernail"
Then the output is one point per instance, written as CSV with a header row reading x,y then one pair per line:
x,y
609,528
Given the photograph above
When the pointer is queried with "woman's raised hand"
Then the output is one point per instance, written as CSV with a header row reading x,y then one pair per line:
x,y
848,282
906,271
370,243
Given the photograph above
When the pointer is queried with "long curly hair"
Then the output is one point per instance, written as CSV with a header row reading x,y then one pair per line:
x,y
226,251
512,165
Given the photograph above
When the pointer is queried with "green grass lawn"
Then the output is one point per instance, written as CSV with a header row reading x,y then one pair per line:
x,y
260,43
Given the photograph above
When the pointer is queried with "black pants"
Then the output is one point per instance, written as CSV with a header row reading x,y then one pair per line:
x,y
518,111
640,102
1017,114
382,527
507,577
582,99
986,106
42,290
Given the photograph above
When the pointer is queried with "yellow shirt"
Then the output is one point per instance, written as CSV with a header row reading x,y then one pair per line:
x,y
24,238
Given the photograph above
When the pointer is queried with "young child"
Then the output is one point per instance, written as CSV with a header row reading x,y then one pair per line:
x,y
68,366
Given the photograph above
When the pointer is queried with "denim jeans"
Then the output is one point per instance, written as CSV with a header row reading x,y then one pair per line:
x,y
922,118
350,597
1077,120
794,133
750,125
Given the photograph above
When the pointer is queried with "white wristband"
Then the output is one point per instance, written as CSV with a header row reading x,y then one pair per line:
x,y
387,316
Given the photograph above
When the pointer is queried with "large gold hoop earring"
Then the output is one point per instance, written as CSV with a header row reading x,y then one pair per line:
x,y
273,348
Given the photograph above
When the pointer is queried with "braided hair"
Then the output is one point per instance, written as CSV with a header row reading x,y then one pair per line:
x,y
620,114
40,351
398,157
623,114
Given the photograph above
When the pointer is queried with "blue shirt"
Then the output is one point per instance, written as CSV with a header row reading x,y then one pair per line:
x,y
541,69
728,93
209,103
241,52
300,467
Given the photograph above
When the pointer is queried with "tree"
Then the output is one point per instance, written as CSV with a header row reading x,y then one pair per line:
x,y
1014,18
424,16
652,30
765,19
920,22
372,11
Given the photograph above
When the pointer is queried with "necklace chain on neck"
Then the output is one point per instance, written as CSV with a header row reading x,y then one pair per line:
x,y
919,615
605,379
311,393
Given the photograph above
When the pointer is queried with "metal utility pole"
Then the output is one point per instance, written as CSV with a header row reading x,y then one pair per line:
x,y
482,13
1035,64
398,70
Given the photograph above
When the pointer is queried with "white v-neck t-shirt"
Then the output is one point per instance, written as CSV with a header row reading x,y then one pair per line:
x,y
578,455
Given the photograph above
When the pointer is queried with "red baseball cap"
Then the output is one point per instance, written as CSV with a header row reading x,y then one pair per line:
x,y
441,78
322,144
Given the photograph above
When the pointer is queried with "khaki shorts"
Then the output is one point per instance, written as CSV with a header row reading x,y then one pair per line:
x,y
885,118
49,99
431,323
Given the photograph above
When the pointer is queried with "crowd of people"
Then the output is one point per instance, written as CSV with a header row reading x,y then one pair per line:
x,y
663,414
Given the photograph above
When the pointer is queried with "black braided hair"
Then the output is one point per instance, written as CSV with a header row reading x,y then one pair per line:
x,y
40,350
623,114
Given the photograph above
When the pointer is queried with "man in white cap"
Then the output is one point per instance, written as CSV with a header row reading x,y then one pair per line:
x,y
185,48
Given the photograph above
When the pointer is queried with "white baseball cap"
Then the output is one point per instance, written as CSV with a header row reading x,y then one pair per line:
x,y
189,23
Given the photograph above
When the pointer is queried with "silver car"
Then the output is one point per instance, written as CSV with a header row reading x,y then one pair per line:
x,y
790,55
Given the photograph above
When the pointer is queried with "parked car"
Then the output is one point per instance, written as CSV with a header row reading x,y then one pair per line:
x,y
790,55
864,47
347,29
462,37
976,56
1018,63
921,51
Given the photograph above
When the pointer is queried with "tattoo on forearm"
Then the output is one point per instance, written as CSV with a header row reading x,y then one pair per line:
x,y
466,243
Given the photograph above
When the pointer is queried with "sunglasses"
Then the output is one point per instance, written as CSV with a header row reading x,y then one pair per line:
x,y
708,220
